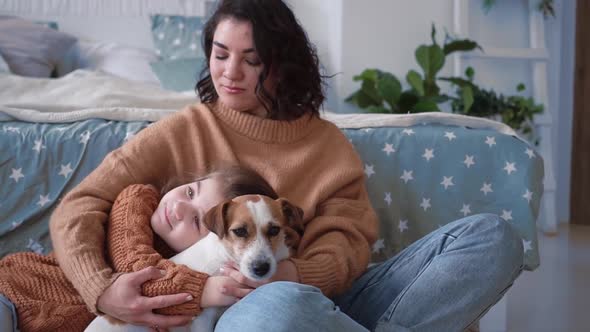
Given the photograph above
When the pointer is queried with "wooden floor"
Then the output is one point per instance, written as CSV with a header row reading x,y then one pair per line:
x,y
556,296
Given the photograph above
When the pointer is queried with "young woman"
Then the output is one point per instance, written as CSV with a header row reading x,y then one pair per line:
x,y
141,227
260,96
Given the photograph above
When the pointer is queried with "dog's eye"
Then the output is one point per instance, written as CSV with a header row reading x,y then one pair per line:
x,y
274,231
240,232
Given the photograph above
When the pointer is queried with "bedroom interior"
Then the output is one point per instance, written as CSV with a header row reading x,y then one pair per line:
x,y
78,78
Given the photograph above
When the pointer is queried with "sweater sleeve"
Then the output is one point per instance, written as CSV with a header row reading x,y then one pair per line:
x,y
335,248
131,248
78,224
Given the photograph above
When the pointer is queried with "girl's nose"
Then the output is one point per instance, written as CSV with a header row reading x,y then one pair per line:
x,y
183,210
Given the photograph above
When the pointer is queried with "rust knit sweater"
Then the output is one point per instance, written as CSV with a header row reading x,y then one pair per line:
x,y
45,300
308,160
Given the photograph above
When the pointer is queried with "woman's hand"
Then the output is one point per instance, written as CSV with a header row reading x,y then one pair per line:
x,y
286,271
215,292
124,300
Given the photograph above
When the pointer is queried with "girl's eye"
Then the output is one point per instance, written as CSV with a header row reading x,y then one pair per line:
x,y
221,57
196,220
189,192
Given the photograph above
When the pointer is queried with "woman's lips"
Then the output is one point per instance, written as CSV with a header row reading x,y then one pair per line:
x,y
233,90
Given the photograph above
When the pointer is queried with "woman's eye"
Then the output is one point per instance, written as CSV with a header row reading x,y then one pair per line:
x,y
254,62
240,232
274,231
190,193
221,57
196,218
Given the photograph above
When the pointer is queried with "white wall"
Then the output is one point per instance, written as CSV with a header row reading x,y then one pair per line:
x,y
352,35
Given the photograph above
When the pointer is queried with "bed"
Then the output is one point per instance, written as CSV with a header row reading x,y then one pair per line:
x,y
81,88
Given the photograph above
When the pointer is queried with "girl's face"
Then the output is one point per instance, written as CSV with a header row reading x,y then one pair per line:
x,y
235,67
178,217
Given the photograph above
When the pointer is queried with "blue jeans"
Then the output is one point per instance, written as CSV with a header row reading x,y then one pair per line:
x,y
442,282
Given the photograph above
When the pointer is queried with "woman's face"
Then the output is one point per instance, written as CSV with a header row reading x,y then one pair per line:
x,y
235,67
178,217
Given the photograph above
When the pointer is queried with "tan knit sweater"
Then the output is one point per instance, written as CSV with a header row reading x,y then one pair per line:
x,y
46,301
307,160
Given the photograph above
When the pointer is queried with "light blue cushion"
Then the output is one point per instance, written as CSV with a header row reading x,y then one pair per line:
x,y
425,176
177,37
178,75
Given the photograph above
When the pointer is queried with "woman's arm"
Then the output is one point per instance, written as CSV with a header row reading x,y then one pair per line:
x,y
131,248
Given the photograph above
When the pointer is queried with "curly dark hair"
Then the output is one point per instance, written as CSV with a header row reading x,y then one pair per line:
x,y
281,44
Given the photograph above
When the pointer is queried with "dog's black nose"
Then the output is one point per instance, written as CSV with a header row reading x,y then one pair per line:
x,y
261,269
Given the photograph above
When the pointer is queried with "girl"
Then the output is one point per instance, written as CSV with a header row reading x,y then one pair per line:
x,y
141,231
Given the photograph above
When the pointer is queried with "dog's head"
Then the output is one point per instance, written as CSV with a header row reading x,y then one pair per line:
x,y
257,231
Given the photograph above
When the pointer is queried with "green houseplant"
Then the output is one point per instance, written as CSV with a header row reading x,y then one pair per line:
x,y
381,91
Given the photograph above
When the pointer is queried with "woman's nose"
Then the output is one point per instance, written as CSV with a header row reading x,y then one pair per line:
x,y
232,70
183,210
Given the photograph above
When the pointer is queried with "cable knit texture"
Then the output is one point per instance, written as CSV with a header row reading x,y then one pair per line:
x,y
307,160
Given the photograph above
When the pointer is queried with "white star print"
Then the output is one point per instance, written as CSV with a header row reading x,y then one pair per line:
x,y
43,199
367,130
530,153
38,146
468,161
66,170
12,129
388,148
84,137
527,245
15,224
425,203
528,195
403,225
193,46
158,52
160,36
378,246
17,174
465,210
428,154
509,168
486,188
447,181
166,19
407,176
490,140
369,170
180,26
176,41
408,132
450,135
387,198
506,215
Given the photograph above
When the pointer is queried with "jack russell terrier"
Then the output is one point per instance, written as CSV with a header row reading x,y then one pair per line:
x,y
253,231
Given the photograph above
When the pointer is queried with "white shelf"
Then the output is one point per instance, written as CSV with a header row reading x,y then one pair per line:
x,y
538,54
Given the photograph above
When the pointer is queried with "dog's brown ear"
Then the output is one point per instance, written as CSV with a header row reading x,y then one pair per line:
x,y
216,219
294,216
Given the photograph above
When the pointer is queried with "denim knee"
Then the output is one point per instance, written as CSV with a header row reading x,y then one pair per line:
x,y
280,304
505,245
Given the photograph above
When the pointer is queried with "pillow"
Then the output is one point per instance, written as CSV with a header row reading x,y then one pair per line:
x,y
132,63
31,49
3,66
180,74
177,37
